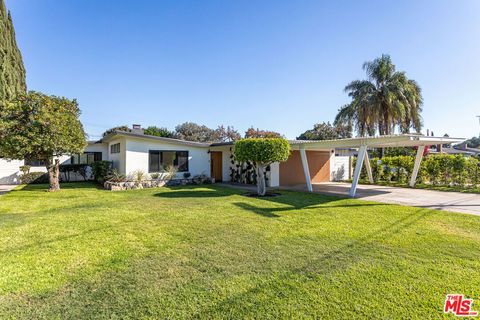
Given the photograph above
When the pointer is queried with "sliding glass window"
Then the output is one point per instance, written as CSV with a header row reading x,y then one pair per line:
x,y
159,160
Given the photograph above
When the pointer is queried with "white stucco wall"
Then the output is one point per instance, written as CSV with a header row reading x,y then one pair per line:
x,y
137,155
274,178
10,169
118,159
340,168
99,147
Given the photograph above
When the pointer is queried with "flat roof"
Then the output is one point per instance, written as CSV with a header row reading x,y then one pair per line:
x,y
114,134
398,140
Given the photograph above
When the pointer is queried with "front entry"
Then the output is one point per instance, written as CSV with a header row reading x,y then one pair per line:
x,y
216,165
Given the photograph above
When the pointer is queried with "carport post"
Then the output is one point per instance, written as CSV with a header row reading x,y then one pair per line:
x,y
369,168
306,171
358,168
416,166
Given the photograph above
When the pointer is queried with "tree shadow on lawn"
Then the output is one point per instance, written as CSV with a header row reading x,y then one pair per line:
x,y
196,192
298,201
63,186
291,200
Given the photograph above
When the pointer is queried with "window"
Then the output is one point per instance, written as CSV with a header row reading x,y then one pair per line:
x,y
86,158
115,148
158,160
32,162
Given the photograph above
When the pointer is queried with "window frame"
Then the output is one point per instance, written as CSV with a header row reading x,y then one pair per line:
x,y
87,153
33,162
113,148
160,160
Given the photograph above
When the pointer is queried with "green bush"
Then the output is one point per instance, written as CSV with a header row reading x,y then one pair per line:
x,y
25,169
261,150
100,170
34,177
439,170
67,169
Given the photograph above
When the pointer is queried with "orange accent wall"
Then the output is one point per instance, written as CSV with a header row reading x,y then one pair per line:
x,y
291,171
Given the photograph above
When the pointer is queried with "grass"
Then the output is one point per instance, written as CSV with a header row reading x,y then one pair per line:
x,y
426,186
209,252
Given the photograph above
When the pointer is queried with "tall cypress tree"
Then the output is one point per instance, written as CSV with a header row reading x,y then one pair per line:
x,y
12,70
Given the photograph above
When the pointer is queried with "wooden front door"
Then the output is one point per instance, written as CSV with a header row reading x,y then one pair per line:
x,y
216,165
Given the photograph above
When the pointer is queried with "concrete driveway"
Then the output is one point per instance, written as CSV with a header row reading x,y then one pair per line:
x,y
441,200
4,188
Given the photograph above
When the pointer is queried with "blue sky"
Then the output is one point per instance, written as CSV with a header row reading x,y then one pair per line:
x,y
279,65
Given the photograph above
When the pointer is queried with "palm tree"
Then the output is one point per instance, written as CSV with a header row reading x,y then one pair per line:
x,y
386,100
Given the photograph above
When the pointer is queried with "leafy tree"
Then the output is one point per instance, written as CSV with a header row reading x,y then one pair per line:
x,y
386,100
42,127
194,132
160,132
12,70
326,131
257,133
117,128
261,152
228,134
474,142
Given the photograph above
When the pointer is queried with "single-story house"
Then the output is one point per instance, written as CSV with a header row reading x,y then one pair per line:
x,y
309,162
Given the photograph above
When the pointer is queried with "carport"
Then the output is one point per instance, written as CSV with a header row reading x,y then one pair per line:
x,y
362,144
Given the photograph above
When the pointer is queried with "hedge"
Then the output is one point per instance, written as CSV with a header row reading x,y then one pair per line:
x,y
439,170
34,177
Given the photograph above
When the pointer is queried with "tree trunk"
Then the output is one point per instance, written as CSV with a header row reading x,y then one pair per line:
x,y
53,174
261,185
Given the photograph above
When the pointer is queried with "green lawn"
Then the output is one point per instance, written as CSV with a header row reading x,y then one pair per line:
x,y
209,252
463,189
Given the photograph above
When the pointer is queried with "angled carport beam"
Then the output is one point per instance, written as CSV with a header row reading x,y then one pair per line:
x,y
358,168
416,166
306,170
368,167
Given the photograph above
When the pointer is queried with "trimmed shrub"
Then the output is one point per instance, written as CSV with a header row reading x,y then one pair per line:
x,y
202,179
25,169
34,177
100,170
262,152
67,169
155,175
441,170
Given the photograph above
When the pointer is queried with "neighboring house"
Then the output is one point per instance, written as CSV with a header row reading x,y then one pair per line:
x,y
460,148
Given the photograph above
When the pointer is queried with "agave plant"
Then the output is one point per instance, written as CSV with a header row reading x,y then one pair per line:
x,y
170,172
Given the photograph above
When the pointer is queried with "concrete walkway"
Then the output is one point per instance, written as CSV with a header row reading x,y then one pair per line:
x,y
4,188
441,200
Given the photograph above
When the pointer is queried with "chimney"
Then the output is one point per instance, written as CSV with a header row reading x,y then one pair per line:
x,y
137,128
428,132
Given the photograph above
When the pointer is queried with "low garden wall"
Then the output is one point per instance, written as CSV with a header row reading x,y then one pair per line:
x,y
153,183
145,184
